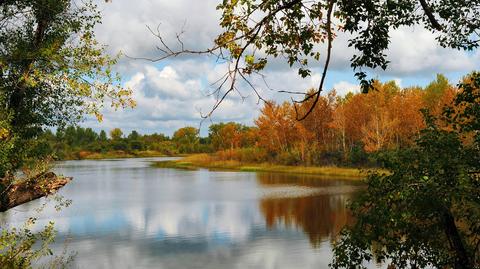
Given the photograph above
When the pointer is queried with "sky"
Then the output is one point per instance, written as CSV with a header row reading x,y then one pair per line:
x,y
174,93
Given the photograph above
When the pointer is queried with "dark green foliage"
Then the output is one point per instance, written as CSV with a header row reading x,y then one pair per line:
x,y
69,143
357,156
425,212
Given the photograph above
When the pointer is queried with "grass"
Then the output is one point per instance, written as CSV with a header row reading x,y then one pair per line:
x,y
207,161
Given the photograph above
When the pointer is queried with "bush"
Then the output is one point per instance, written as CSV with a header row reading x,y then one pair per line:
x,y
245,155
292,157
357,156
165,147
136,145
330,158
119,145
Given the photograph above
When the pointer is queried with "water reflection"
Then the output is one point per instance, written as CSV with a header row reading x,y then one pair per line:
x,y
126,214
320,216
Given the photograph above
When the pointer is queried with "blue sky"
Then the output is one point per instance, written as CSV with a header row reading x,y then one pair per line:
x,y
173,94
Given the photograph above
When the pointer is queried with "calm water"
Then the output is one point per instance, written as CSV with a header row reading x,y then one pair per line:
x,y
126,214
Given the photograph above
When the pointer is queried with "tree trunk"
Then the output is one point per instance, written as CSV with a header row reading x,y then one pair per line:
x,y
462,259
31,189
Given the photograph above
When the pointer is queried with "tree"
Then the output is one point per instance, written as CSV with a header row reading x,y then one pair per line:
x,y
186,139
319,121
226,135
133,135
378,133
102,136
435,90
425,212
116,134
52,69
7,145
406,107
255,31
134,141
276,127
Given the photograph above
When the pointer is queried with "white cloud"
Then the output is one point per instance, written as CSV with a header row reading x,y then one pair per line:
x,y
398,81
170,94
124,26
168,99
415,50
344,87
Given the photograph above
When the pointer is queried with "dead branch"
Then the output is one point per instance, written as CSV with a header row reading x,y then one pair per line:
x,y
31,189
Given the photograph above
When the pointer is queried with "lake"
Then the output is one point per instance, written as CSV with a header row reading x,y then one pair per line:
x,y
127,214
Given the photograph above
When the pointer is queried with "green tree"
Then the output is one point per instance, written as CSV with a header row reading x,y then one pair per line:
x,y
135,141
425,212
435,90
116,134
133,135
7,145
102,136
52,69
70,136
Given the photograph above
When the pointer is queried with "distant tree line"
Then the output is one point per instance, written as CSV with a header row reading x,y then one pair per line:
x,y
75,142
351,130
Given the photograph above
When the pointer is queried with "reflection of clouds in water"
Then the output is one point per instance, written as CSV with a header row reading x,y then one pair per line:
x,y
126,214
231,221
271,250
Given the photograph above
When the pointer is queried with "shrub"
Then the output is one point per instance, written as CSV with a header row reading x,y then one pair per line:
x,y
358,156
292,157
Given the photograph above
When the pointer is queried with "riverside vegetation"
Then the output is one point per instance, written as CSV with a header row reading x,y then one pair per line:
x,y
52,72
343,133
423,213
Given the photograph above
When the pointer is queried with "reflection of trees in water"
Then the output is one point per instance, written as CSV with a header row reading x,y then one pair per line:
x,y
321,217
304,180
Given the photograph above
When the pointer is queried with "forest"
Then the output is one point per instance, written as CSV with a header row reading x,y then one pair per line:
x,y
351,130
416,205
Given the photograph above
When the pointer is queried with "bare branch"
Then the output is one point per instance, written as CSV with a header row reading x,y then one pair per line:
x,y
316,95
431,17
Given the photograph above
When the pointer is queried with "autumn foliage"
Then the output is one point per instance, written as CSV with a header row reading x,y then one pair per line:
x,y
341,129
350,130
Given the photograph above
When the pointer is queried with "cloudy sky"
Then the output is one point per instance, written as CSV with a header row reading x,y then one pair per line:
x,y
173,93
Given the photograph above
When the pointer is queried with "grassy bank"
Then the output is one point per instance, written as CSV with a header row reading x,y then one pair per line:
x,y
207,161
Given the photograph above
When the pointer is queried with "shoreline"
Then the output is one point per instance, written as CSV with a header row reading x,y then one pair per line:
x,y
198,161
117,155
333,171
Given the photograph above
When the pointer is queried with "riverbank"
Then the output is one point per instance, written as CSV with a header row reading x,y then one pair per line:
x,y
206,161
87,155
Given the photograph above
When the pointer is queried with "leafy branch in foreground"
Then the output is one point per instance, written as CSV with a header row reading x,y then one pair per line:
x,y
425,212
26,245
52,71
256,31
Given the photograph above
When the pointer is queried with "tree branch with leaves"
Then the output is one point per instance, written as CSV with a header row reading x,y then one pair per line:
x,y
257,31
